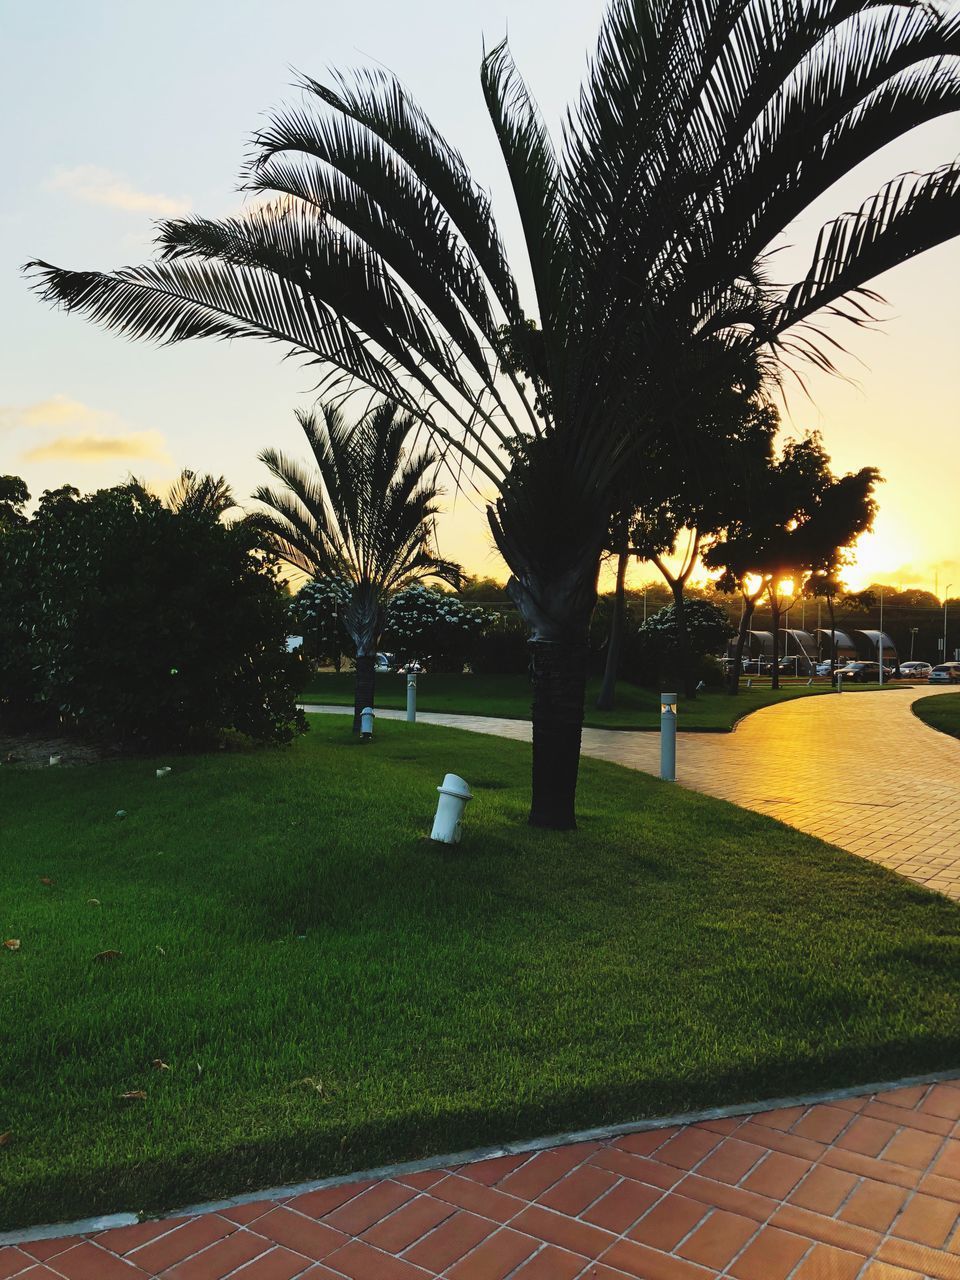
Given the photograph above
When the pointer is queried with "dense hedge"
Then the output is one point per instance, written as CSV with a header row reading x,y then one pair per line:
x,y
144,625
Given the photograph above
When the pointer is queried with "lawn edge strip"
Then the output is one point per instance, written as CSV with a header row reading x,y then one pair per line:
x,y
928,695
526,1146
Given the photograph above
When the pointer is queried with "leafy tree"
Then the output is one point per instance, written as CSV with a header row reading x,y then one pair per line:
x,y
798,519
317,610
434,625
701,133
14,496
667,648
364,515
686,493
153,627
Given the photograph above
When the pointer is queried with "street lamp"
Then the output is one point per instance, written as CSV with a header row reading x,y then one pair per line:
x,y
946,596
913,636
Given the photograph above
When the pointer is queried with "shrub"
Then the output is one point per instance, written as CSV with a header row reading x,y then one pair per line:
x,y
503,649
433,625
654,652
146,625
316,613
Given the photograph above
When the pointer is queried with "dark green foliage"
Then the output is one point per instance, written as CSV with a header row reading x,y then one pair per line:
x,y
655,655
435,627
317,613
331,991
144,625
14,496
503,648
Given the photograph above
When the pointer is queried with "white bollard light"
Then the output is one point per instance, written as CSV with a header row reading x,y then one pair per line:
x,y
448,822
668,737
366,723
411,697
55,759
163,773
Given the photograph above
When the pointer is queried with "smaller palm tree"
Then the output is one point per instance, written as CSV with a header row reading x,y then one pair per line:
x,y
366,514
200,495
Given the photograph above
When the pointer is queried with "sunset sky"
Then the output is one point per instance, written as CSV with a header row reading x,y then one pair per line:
x,y
119,112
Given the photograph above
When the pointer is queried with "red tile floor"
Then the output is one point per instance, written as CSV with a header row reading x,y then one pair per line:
x,y
865,1188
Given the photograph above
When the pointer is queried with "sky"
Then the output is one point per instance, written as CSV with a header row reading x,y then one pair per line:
x,y
120,112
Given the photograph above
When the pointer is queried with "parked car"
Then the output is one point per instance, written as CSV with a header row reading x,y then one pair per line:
x,y
946,673
915,670
414,666
384,663
757,666
862,673
823,668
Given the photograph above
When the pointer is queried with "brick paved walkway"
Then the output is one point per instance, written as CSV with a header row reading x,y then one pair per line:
x,y
864,1188
860,771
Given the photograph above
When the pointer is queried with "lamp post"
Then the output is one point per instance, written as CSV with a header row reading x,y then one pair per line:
x,y
880,640
913,636
946,596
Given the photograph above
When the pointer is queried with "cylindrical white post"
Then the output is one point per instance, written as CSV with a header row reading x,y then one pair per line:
x,y
448,822
668,737
366,723
411,697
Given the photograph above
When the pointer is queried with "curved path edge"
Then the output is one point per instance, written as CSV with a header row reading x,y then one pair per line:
x,y
861,772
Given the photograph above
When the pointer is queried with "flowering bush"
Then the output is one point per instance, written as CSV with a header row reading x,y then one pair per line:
x,y
429,624
316,613
656,653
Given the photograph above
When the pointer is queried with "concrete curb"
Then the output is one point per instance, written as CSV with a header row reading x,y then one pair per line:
x,y
528,1146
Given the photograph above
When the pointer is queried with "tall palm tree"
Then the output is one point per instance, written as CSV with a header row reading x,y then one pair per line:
x,y
703,129
365,514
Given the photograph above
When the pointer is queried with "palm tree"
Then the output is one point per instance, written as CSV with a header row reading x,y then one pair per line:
x,y
364,515
200,495
703,129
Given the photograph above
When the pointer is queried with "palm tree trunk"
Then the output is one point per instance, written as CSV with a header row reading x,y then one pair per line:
x,y
733,685
557,610
559,675
363,687
606,698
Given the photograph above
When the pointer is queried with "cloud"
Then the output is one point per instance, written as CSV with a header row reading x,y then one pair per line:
x,y
57,411
92,185
98,448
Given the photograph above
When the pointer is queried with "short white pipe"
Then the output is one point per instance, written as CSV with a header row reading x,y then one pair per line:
x,y
55,759
366,723
448,822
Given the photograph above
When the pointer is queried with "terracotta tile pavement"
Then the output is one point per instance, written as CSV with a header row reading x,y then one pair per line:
x,y
866,1188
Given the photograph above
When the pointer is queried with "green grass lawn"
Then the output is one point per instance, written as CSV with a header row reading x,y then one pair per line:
x,y
331,990
941,712
509,696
